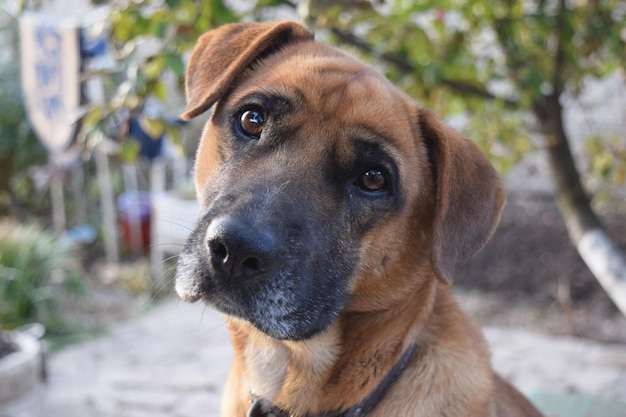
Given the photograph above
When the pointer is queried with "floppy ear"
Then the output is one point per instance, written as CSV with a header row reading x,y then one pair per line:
x,y
223,53
469,196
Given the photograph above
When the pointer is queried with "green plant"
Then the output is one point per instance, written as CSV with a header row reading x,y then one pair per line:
x,y
32,263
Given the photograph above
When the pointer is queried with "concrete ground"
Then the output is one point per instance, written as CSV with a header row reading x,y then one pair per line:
x,y
173,361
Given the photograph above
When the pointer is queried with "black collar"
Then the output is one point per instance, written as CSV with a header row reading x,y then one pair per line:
x,y
261,407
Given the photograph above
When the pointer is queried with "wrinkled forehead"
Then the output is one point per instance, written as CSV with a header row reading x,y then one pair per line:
x,y
329,109
334,88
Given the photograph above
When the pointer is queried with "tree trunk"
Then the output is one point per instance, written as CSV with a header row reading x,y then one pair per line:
x,y
596,248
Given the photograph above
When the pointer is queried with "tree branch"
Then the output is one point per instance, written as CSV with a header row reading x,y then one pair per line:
x,y
348,38
559,57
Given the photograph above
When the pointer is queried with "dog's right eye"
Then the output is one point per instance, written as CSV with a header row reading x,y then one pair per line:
x,y
373,180
251,123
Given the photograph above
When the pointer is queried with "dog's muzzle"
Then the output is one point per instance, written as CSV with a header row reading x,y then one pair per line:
x,y
276,261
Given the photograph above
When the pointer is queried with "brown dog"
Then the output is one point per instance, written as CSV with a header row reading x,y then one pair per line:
x,y
334,213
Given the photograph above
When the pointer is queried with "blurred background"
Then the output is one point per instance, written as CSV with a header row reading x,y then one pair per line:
x,y
96,184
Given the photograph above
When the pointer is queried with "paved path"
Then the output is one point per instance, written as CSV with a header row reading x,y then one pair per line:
x,y
173,361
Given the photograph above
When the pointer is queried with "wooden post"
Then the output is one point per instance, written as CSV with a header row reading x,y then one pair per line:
x,y
78,193
56,195
157,188
107,204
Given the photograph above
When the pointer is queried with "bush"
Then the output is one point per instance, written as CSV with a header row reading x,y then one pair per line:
x,y
32,264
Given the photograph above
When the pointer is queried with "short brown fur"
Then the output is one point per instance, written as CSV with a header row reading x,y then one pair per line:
x,y
453,200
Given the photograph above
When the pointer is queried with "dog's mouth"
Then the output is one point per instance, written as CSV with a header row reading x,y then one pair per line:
x,y
281,282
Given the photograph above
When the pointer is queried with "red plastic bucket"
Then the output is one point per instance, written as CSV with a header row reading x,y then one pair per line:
x,y
134,220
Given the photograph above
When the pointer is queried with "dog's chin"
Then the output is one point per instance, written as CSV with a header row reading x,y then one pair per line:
x,y
285,331
294,324
292,331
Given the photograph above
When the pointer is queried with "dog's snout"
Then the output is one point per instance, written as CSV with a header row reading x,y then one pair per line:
x,y
239,252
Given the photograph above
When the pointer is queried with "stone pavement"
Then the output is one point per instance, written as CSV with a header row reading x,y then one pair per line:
x,y
173,361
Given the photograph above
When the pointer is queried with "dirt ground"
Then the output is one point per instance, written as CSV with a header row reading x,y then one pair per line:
x,y
529,275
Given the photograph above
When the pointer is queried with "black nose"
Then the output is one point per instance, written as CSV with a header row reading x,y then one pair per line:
x,y
239,252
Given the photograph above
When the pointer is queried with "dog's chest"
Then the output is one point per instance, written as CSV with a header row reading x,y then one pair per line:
x,y
278,370
266,367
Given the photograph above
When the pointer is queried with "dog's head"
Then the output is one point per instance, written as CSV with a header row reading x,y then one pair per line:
x,y
323,188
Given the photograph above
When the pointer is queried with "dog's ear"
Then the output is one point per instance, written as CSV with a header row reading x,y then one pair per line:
x,y
223,53
469,196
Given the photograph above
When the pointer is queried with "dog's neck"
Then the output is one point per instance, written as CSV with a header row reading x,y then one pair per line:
x,y
317,376
261,407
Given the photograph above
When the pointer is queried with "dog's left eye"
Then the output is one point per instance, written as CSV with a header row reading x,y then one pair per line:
x,y
251,123
373,180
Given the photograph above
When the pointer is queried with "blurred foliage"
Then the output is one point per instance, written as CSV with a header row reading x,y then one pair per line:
x,y
495,62
32,263
148,39
607,163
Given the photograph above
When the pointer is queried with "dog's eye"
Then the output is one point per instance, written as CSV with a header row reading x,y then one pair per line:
x,y
373,180
252,122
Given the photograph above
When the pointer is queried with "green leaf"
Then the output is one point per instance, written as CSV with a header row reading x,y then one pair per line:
x,y
159,29
153,67
159,90
121,26
130,150
175,63
153,127
93,116
174,135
